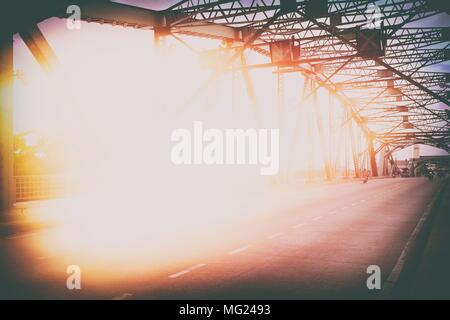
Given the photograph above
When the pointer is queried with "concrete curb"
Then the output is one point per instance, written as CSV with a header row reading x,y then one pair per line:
x,y
397,284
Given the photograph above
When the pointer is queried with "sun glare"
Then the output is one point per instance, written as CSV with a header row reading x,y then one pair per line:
x,y
113,101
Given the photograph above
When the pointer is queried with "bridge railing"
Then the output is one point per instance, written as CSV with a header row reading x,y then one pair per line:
x,y
39,187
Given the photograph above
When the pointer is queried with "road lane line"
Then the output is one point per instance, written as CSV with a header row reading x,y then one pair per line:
x,y
178,274
197,266
192,268
273,236
317,218
332,212
298,226
239,250
343,208
123,296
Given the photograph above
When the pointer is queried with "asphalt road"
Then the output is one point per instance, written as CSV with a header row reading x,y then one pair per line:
x,y
317,246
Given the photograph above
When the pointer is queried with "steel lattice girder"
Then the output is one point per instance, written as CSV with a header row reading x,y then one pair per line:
x,y
331,52
327,41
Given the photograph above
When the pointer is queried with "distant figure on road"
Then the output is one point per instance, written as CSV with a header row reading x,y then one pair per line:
x,y
365,174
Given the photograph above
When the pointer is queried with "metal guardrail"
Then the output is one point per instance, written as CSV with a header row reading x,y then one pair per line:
x,y
38,187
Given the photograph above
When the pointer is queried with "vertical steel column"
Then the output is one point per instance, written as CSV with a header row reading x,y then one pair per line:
x,y
280,90
310,131
373,161
234,87
40,48
319,123
248,81
340,145
281,122
347,149
159,33
354,151
6,124
331,138
384,156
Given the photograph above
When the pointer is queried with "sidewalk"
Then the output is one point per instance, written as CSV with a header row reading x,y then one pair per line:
x,y
432,278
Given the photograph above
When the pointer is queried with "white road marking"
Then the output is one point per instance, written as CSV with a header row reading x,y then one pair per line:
x,y
332,212
298,226
343,208
123,296
192,268
178,274
317,218
273,236
239,250
363,200
354,204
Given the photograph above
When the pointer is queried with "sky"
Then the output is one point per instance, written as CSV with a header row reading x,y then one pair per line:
x,y
150,4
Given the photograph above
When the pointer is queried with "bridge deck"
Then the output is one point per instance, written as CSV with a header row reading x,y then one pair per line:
x,y
319,247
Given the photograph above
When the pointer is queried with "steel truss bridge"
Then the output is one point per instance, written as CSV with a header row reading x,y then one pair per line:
x,y
370,55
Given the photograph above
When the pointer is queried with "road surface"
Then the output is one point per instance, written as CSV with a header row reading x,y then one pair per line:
x,y
319,246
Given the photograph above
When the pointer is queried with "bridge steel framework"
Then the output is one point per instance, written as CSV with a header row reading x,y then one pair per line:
x,y
369,58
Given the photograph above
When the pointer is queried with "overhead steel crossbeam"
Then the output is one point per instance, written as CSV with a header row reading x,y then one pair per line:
x,y
413,82
372,85
330,41
438,139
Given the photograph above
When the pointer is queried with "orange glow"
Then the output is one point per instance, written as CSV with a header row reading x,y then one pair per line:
x,y
114,101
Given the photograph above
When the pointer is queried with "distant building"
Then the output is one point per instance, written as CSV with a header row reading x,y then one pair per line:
x,y
403,163
416,151
424,164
